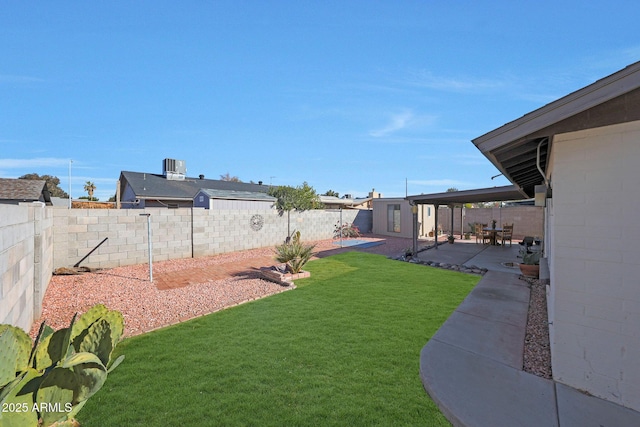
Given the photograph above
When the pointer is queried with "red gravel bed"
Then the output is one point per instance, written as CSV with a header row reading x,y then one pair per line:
x,y
144,307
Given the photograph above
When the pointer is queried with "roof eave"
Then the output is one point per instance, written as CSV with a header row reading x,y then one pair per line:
x,y
603,90
165,198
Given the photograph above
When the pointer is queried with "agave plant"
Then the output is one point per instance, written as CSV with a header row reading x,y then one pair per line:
x,y
48,383
294,253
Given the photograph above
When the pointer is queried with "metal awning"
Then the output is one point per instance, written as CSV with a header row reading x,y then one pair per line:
x,y
492,194
458,198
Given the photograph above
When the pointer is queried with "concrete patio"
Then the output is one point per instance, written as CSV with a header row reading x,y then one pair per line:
x,y
467,252
472,367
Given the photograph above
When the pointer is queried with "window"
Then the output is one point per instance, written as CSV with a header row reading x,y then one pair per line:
x,y
393,218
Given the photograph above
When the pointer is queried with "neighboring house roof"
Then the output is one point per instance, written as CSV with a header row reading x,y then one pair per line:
x,y
333,200
153,186
24,190
237,195
513,148
60,202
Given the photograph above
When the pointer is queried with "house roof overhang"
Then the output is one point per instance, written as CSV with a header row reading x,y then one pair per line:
x,y
521,149
493,194
332,200
237,195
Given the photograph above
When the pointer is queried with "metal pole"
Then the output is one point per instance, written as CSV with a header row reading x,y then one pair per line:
x,y
77,264
452,208
414,212
340,226
436,230
150,245
70,161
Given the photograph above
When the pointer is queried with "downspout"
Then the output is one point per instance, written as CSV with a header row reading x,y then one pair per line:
x,y
546,183
544,176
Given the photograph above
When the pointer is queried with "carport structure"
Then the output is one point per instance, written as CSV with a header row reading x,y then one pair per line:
x,y
454,199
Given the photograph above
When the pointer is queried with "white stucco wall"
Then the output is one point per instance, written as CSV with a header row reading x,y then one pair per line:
x,y
595,280
426,218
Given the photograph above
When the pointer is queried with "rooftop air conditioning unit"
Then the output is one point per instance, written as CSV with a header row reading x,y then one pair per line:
x,y
174,169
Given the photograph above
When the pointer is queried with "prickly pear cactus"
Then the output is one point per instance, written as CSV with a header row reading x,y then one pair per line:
x,y
82,324
17,401
101,336
14,357
48,384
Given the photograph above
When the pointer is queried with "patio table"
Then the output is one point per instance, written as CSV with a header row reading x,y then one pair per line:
x,y
494,232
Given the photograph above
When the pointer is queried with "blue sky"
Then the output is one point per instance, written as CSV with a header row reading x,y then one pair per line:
x,y
346,95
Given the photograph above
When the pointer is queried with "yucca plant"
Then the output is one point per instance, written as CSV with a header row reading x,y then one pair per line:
x,y
294,253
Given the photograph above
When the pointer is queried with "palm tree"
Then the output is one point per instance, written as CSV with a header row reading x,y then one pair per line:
x,y
89,187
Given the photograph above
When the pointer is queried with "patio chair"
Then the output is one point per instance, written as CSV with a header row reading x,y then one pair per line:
x,y
507,233
481,234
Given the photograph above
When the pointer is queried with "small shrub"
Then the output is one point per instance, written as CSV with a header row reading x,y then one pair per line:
x,y
531,258
346,230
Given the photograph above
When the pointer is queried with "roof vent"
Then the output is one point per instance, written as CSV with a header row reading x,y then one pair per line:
x,y
174,169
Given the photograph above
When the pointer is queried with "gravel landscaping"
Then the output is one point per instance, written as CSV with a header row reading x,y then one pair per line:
x,y
145,308
537,352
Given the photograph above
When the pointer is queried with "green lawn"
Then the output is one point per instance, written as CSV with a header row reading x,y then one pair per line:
x,y
342,349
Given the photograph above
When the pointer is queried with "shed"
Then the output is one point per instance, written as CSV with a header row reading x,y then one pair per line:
x,y
393,216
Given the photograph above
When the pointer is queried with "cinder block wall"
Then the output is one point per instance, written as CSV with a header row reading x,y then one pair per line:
x,y
26,262
78,231
527,220
35,240
179,233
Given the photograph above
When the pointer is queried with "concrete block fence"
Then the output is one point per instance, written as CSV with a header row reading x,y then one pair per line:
x,y
180,233
35,240
26,261
527,220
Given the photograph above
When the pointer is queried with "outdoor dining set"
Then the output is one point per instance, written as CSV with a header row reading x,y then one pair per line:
x,y
492,234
